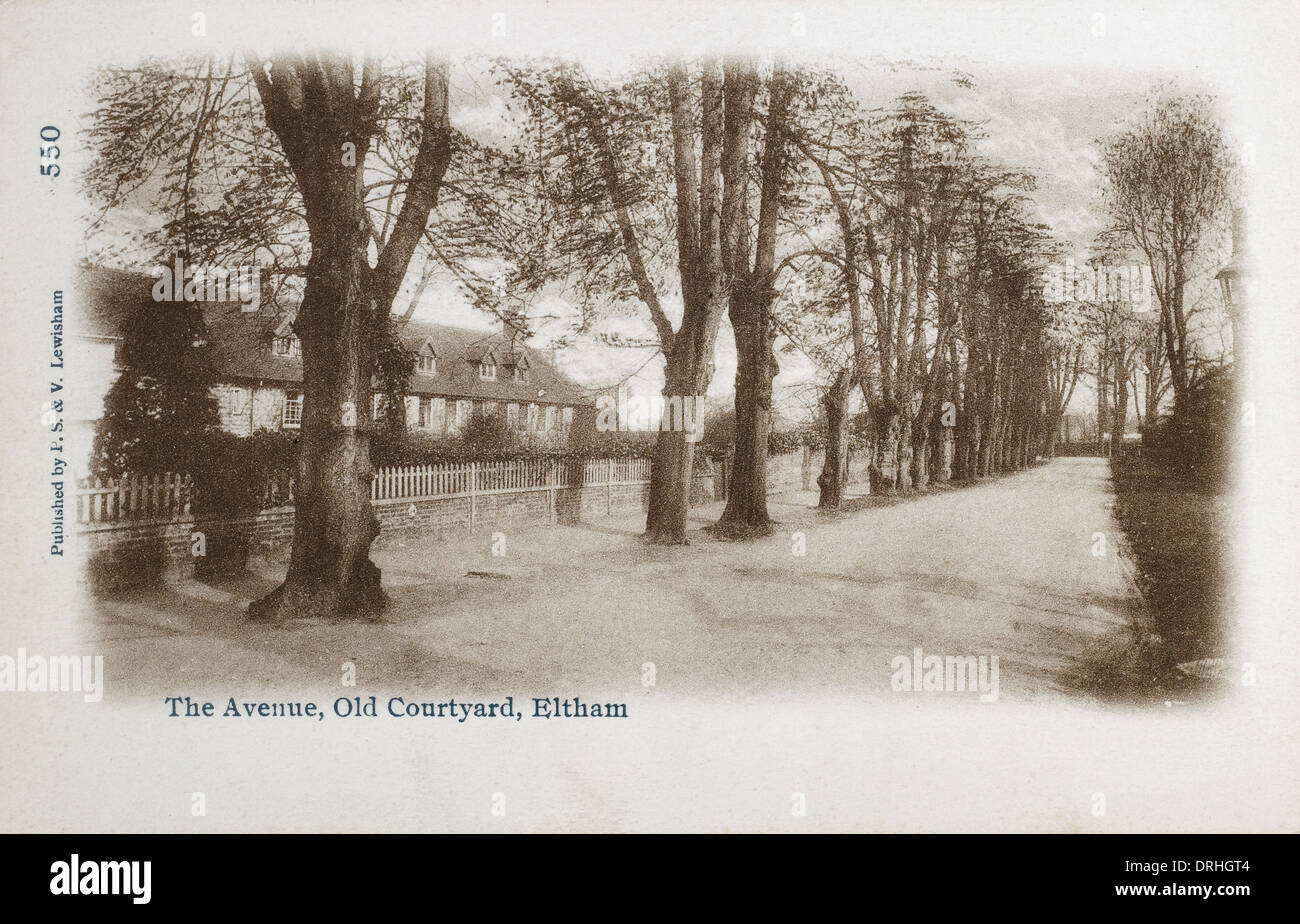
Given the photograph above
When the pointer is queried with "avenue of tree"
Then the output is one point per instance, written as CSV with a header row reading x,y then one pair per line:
x,y
876,243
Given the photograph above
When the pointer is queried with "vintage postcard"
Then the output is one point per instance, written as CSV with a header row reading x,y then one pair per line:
x,y
638,417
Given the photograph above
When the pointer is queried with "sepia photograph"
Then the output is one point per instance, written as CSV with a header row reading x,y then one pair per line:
x,y
717,418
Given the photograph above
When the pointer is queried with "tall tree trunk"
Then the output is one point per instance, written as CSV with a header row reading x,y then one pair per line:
x,y
1103,411
941,443
943,433
1153,378
1120,413
964,438
330,572
750,310
982,450
671,476
315,106
689,366
989,427
746,511
883,472
835,405
686,375
920,466
967,435
1176,335
903,471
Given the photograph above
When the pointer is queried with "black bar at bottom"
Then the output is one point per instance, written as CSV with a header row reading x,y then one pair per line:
x,y
333,872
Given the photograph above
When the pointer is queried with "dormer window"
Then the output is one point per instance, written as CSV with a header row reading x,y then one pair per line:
x,y
290,347
426,361
521,374
487,370
284,342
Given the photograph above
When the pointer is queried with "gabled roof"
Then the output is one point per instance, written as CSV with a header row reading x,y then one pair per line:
x,y
241,344
546,384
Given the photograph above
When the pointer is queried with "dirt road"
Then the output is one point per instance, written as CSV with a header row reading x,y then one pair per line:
x,y
1024,568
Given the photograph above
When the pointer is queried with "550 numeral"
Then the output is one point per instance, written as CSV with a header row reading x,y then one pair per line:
x,y
49,151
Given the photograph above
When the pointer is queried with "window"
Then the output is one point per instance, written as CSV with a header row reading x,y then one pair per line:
x,y
532,417
288,346
550,417
292,409
427,363
521,374
567,418
426,411
487,370
512,416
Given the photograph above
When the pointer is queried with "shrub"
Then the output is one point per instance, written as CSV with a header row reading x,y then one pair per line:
x,y
158,410
490,440
1195,442
488,434
229,476
720,435
779,442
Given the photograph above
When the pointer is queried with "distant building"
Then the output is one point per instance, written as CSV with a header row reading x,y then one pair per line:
x,y
458,372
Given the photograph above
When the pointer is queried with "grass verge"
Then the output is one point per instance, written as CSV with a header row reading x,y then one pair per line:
x,y
1178,533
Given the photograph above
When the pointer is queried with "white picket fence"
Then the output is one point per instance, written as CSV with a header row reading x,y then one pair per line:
x,y
139,497
165,498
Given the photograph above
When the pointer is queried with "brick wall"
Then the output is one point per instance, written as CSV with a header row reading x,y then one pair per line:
x,y
799,470
122,555
130,554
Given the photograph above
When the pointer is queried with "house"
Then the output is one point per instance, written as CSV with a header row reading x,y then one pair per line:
x,y
457,372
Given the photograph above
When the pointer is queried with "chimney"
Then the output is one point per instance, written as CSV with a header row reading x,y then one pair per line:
x,y
513,327
264,280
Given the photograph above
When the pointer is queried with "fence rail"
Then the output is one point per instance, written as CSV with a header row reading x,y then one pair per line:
x,y
142,497
166,498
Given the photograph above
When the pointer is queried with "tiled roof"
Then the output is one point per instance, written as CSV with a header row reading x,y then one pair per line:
x,y
458,351
242,345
